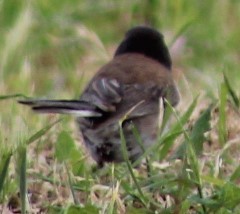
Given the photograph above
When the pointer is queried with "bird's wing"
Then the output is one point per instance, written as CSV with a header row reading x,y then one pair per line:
x,y
105,93
128,101
111,98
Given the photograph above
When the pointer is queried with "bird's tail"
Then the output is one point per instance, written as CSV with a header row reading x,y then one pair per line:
x,y
74,107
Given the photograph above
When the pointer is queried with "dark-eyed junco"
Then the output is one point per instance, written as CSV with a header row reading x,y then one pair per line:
x,y
130,86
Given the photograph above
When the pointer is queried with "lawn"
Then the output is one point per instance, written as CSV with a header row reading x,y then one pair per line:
x,y
51,49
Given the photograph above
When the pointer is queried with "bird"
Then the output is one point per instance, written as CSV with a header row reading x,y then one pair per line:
x,y
128,88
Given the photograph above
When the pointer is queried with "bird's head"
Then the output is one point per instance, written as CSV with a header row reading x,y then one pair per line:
x,y
146,41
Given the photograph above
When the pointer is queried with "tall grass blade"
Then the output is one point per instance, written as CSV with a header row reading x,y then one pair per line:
x,y
4,168
42,132
168,139
197,137
181,31
130,169
22,155
191,161
166,116
231,92
222,127
140,143
76,202
10,96
183,120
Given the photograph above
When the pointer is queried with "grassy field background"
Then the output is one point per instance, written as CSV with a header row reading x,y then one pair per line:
x,y
52,48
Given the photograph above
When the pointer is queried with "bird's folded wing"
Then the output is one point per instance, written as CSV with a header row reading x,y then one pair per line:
x,y
126,101
104,93
110,98
107,94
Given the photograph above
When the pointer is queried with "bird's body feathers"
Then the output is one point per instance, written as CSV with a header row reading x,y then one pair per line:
x,y
129,87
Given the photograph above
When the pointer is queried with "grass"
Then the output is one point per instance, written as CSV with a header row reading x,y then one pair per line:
x,y
52,48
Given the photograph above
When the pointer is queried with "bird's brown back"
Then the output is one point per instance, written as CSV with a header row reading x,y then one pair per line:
x,y
143,80
135,69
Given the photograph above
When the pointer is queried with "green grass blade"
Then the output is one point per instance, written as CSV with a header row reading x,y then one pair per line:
x,y
22,155
183,120
76,202
87,209
229,196
69,152
23,176
169,138
166,116
41,132
191,161
197,138
126,159
181,31
201,126
140,143
231,92
222,127
11,96
212,180
4,168
167,144
235,175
